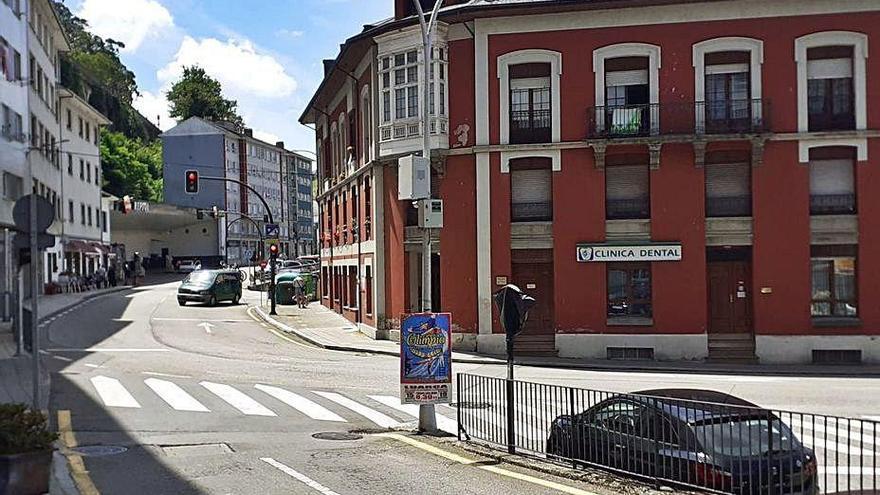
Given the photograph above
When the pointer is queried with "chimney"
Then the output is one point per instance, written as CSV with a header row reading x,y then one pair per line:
x,y
279,144
248,132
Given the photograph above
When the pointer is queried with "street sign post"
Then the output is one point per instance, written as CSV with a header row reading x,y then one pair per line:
x,y
426,358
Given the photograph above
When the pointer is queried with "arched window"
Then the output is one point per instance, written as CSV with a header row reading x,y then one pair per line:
x,y
627,89
727,84
530,99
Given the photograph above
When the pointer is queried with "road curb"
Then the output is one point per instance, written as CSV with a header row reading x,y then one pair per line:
x,y
61,482
805,371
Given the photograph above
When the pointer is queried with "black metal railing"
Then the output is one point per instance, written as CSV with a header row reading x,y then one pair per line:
x,y
697,118
832,204
531,212
628,209
696,438
730,206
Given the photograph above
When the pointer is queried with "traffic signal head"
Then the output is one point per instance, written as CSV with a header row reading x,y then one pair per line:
x,y
192,181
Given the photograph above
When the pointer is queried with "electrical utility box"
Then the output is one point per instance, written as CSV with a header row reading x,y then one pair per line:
x,y
413,178
431,213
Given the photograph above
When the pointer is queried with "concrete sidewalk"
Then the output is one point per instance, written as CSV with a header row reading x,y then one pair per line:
x,y
329,330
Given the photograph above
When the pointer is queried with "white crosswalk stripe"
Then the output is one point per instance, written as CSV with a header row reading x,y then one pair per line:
x,y
376,417
443,423
175,396
301,404
237,399
112,393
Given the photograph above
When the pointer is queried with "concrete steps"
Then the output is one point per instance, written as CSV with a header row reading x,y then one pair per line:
x,y
734,348
535,345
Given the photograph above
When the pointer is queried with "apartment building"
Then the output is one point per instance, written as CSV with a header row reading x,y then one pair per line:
x,y
669,180
297,194
221,149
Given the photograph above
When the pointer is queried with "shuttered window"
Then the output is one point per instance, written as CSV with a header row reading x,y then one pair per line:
x,y
728,190
531,193
627,192
832,187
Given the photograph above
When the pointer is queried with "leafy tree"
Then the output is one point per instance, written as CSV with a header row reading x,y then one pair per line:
x,y
92,68
131,166
197,94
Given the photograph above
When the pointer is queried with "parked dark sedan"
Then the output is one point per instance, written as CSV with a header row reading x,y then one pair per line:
x,y
698,437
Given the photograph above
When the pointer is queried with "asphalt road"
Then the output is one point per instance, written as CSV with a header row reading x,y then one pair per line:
x,y
208,400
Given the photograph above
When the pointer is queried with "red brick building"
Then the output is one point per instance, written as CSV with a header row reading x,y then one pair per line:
x,y
670,179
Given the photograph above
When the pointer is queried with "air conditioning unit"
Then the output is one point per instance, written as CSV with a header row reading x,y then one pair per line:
x,y
431,213
413,178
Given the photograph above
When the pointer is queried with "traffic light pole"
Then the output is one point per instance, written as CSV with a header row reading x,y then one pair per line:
x,y
273,256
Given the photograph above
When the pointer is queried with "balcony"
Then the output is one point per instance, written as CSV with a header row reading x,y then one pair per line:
x,y
628,209
731,206
531,212
832,204
411,128
679,118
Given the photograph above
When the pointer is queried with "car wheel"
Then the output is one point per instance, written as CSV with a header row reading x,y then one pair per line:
x,y
181,302
213,301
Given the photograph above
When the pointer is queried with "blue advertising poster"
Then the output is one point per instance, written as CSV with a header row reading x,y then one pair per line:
x,y
425,358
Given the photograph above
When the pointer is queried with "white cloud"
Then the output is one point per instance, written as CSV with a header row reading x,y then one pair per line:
x,y
128,21
153,106
266,136
238,66
289,33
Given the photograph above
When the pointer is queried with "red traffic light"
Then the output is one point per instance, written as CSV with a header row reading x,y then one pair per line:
x,y
192,181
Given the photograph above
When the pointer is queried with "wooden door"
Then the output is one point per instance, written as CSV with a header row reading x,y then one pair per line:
x,y
730,300
536,280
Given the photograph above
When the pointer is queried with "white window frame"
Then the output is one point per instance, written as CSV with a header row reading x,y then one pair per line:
x,y
652,52
366,116
755,47
529,57
859,42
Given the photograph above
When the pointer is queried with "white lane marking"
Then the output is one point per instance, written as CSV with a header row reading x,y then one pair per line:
x,y
112,393
301,404
90,365
62,358
848,471
167,375
443,423
856,435
107,349
237,399
299,476
380,419
175,396
871,418
207,326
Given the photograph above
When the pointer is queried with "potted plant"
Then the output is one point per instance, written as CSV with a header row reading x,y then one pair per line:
x,y
25,450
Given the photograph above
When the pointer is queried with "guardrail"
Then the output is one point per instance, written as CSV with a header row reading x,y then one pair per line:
x,y
694,438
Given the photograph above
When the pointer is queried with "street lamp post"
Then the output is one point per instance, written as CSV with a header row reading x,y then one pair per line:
x,y
427,415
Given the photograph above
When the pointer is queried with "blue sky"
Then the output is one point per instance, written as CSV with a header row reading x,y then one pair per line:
x,y
267,53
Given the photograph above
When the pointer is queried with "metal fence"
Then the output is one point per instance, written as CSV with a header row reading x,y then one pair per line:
x,y
693,438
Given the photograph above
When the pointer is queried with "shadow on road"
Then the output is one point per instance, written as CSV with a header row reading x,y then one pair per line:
x,y
139,468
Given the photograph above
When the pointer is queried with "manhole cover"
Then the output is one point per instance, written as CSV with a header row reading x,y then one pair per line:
x,y
337,435
471,405
99,450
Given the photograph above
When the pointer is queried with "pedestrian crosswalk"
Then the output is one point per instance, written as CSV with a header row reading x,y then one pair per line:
x,y
259,400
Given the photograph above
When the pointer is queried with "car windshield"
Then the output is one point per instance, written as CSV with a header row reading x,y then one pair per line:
x,y
200,278
743,436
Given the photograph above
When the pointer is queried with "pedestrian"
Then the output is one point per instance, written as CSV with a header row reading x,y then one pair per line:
x,y
137,269
299,292
111,275
126,267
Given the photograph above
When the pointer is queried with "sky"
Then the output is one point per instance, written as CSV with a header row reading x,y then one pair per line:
x,y
266,53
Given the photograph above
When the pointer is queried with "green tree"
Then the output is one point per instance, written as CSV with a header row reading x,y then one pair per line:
x,y
131,166
197,94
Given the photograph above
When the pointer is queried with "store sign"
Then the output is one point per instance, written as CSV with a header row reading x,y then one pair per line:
x,y
588,253
426,358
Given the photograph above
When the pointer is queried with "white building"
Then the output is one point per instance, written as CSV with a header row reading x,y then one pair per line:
x,y
83,211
